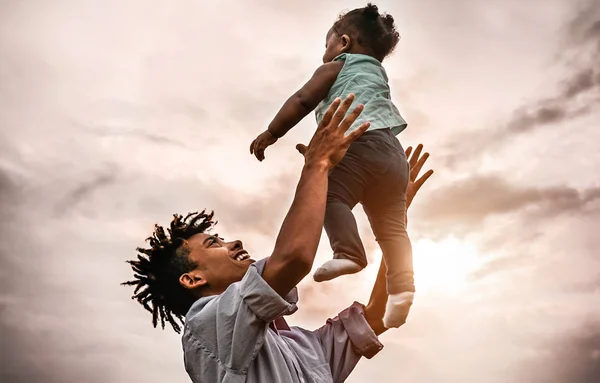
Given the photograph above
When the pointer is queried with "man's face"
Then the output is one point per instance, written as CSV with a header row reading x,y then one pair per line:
x,y
219,263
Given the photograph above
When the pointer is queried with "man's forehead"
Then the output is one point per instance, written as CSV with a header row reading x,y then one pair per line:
x,y
197,239
200,238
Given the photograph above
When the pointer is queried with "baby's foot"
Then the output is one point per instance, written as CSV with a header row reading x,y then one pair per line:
x,y
397,309
334,268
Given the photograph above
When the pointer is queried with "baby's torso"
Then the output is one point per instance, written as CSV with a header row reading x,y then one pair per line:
x,y
365,77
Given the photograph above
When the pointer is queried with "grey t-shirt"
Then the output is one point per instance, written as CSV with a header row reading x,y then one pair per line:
x,y
241,336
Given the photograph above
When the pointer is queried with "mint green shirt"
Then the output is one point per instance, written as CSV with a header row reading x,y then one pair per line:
x,y
364,76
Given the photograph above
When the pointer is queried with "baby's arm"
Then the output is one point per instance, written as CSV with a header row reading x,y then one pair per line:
x,y
306,99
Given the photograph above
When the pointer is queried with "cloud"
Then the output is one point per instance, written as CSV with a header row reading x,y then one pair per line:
x,y
583,37
567,357
564,106
119,115
469,202
15,368
79,193
576,95
585,26
6,188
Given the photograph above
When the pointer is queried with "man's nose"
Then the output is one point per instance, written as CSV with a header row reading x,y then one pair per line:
x,y
236,245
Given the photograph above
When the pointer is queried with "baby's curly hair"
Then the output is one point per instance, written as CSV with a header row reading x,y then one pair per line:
x,y
372,30
157,269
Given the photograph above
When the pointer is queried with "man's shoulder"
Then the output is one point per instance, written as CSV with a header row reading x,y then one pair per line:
x,y
202,305
207,308
209,303
241,302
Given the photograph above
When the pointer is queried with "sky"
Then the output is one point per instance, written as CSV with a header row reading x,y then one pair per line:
x,y
117,114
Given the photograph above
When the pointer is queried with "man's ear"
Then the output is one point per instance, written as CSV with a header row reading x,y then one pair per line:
x,y
346,43
192,280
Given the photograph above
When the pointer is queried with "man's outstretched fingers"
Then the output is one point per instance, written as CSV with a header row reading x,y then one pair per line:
x,y
422,161
353,136
408,151
418,183
301,148
341,112
349,120
415,157
416,168
329,113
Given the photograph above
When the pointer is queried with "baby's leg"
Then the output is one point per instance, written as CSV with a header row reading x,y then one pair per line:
x,y
385,206
345,190
348,251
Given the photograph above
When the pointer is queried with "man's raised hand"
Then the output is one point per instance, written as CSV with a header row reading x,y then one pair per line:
x,y
330,142
416,162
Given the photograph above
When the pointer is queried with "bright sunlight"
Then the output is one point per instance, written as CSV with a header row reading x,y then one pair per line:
x,y
441,267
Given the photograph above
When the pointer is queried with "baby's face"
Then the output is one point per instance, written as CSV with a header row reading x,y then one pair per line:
x,y
333,46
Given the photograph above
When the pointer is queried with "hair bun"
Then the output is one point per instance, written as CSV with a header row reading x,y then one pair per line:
x,y
371,12
388,20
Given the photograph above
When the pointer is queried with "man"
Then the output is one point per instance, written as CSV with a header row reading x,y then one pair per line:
x,y
234,307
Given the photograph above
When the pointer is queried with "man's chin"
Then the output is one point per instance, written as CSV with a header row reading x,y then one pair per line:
x,y
245,263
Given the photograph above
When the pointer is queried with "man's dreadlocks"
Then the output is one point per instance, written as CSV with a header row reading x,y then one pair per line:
x,y
157,269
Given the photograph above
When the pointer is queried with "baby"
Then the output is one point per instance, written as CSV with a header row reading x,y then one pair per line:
x,y
374,170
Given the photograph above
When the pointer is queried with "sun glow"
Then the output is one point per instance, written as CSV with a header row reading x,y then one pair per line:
x,y
441,267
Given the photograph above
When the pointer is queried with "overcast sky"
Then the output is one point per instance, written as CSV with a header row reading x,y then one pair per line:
x,y
116,114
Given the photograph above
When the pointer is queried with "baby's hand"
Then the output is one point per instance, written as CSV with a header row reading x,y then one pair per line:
x,y
260,143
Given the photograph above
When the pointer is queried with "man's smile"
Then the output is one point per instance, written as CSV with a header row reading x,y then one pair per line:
x,y
241,256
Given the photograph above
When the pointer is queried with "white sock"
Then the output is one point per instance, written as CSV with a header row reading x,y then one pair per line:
x,y
334,268
397,309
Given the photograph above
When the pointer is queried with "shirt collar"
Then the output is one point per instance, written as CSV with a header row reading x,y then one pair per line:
x,y
280,323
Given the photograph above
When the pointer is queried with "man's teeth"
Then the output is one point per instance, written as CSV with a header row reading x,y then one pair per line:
x,y
241,257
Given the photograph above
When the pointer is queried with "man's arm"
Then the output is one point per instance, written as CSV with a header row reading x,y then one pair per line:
x,y
306,99
299,235
297,242
376,308
345,339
